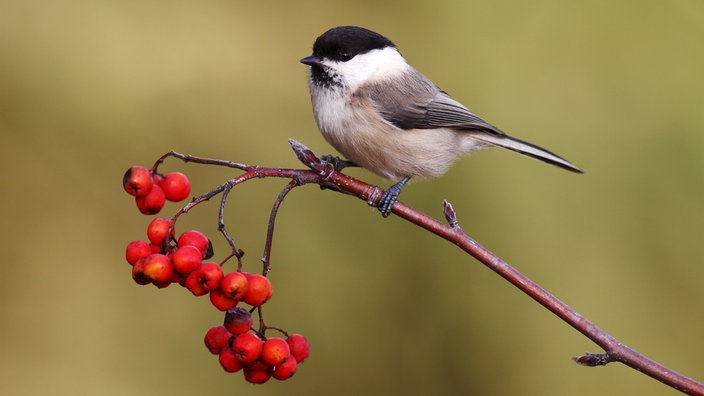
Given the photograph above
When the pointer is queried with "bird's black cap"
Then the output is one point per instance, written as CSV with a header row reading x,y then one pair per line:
x,y
343,43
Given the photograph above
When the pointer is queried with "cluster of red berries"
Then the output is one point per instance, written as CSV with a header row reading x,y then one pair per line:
x,y
258,359
166,259
162,263
151,190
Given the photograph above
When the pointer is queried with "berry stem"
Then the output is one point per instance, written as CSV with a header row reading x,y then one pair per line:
x,y
262,327
266,257
279,329
238,253
199,160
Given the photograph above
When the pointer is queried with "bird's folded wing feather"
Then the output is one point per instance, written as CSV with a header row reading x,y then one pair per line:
x,y
409,106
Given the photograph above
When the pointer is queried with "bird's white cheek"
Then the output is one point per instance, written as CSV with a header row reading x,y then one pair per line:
x,y
375,65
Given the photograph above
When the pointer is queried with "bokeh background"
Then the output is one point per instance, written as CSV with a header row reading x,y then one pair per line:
x,y
89,88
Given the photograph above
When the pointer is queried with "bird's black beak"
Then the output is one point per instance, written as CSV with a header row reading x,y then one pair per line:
x,y
311,60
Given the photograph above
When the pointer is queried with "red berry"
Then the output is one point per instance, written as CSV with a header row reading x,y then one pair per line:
x,y
193,284
238,321
234,285
158,268
163,284
137,250
138,272
210,275
152,202
176,186
258,289
299,346
186,259
158,229
258,364
194,238
157,178
229,362
256,376
286,369
275,351
137,181
216,339
222,301
176,277
247,347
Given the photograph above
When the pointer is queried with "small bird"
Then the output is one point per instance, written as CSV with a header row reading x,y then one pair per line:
x,y
385,116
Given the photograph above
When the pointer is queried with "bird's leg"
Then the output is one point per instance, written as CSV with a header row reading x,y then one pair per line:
x,y
390,196
337,162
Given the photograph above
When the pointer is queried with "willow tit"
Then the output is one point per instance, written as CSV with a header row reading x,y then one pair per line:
x,y
385,116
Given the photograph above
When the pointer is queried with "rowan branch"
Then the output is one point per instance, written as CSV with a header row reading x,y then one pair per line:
x,y
324,174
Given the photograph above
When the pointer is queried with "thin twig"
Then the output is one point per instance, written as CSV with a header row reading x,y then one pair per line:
x,y
266,257
234,252
199,160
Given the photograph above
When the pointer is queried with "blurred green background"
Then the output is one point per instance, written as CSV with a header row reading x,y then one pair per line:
x,y
89,88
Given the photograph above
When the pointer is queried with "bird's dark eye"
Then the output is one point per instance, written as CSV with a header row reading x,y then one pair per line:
x,y
345,56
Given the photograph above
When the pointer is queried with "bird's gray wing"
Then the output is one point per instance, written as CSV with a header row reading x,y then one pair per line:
x,y
415,103
410,105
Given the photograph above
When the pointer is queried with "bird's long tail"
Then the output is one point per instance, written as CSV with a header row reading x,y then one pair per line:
x,y
527,149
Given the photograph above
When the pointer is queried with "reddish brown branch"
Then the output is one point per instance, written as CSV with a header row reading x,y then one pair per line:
x,y
615,351
323,174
